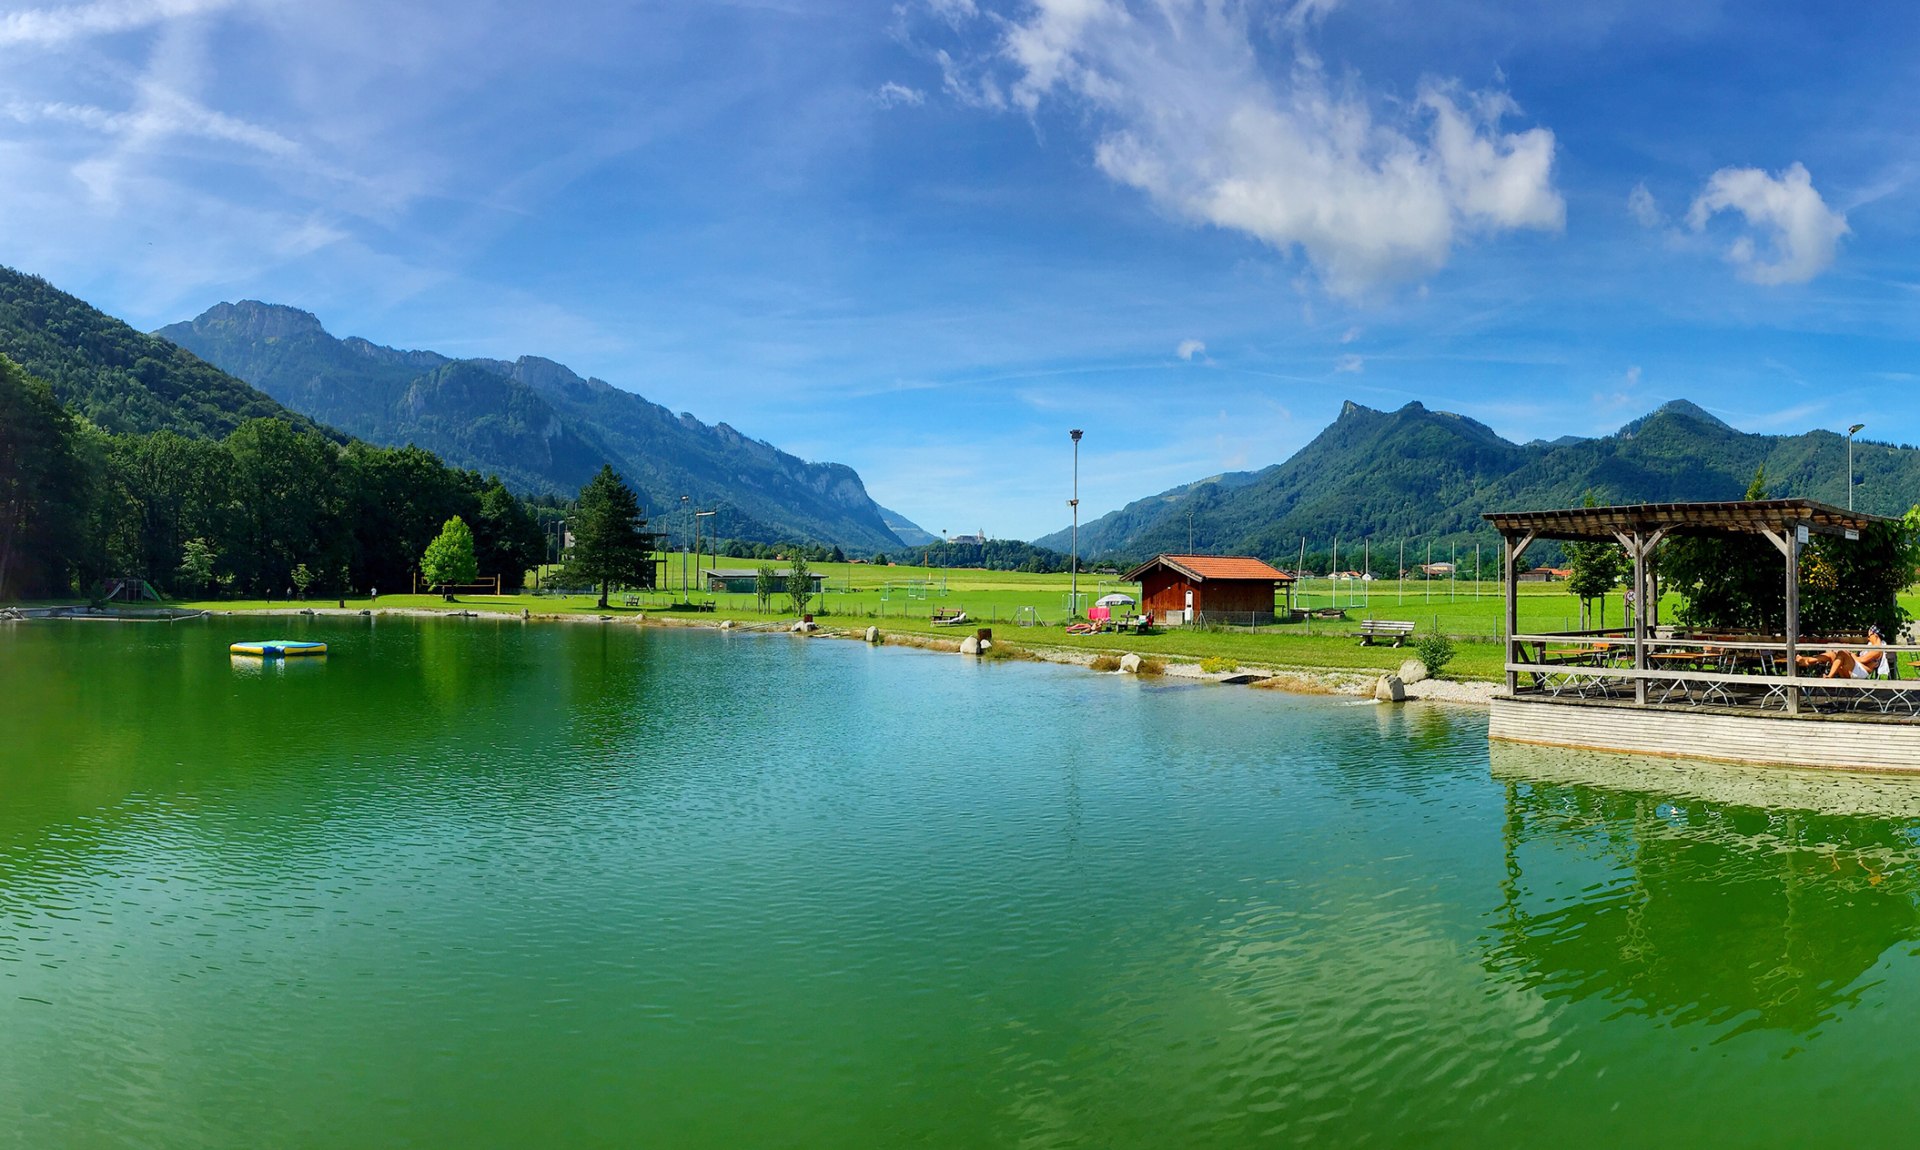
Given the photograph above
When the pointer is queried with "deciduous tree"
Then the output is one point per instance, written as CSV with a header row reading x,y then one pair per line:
x,y
449,558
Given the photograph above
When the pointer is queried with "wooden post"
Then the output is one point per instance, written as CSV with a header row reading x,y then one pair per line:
x,y
1639,549
1793,616
1513,551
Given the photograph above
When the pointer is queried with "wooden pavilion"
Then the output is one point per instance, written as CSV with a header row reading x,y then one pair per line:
x,y
1655,689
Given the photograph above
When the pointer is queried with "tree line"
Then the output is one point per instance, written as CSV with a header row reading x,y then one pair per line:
x,y
270,507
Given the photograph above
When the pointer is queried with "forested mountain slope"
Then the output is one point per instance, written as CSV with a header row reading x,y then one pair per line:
x,y
1428,475
120,379
540,425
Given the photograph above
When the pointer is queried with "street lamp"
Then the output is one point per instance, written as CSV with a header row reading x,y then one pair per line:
x,y
1851,431
1074,609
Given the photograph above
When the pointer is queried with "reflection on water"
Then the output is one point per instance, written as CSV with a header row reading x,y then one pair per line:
x,y
1742,898
254,666
474,882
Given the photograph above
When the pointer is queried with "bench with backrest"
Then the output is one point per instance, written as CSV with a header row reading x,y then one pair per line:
x,y
1371,629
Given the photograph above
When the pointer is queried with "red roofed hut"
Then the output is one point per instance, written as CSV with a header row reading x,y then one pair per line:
x,y
1219,588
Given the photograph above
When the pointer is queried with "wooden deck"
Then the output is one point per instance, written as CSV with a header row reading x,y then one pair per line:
x,y
1848,741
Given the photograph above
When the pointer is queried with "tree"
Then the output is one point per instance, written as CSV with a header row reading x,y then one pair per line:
x,y
285,496
799,584
509,541
449,558
41,484
302,578
766,584
196,565
610,543
1727,582
1596,568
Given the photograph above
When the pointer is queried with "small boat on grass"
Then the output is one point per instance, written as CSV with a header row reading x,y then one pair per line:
x,y
278,649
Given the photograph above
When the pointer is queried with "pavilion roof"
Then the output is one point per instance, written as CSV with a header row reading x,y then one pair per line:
x,y
1743,516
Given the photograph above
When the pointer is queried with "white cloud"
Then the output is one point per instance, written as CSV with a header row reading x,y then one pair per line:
x,y
1190,349
1349,365
55,25
892,95
1632,378
1349,335
1643,208
1785,211
1190,114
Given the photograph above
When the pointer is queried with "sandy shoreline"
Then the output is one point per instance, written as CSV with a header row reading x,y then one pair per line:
x,y
1286,678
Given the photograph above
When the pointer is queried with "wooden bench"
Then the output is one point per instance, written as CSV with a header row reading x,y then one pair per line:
x,y
1371,629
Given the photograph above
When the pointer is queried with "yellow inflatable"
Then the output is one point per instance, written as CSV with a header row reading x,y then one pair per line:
x,y
278,649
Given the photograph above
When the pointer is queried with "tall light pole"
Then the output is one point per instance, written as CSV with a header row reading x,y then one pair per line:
x,y
1851,432
1073,610
683,554
697,517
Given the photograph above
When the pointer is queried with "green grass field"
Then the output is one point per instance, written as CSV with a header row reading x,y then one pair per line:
x,y
1032,610
1462,609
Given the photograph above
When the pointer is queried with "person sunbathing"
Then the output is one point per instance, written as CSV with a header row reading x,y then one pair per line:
x,y
1844,664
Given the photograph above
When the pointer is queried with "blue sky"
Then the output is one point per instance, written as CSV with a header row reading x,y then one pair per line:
x,y
927,238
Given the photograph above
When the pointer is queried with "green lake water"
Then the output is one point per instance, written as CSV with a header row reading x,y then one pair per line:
x,y
474,883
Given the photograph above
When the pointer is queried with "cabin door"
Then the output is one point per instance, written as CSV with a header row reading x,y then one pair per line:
x,y
1189,604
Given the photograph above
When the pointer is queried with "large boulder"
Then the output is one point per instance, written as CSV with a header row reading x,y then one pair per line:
x,y
970,645
873,634
1130,664
804,627
726,624
1413,671
1390,689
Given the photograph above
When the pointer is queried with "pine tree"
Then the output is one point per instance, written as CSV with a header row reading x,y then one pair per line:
x,y
610,543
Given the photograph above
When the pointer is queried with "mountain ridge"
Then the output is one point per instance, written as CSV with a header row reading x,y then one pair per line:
x,y
1418,473
538,424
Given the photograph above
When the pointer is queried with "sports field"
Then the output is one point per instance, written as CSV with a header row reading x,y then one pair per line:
x,y
1032,610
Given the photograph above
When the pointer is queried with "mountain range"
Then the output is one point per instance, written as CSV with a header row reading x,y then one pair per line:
x,y
1426,476
541,427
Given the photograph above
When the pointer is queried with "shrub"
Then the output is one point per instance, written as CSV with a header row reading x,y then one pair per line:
x,y
1153,667
1106,663
1435,651
1216,665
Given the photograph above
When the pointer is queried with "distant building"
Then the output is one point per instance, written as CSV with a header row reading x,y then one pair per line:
x,y
1438,570
1545,574
1192,588
975,540
746,580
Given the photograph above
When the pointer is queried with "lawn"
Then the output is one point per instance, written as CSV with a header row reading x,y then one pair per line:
x,y
1032,610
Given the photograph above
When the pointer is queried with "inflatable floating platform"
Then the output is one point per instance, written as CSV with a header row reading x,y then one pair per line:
x,y
278,649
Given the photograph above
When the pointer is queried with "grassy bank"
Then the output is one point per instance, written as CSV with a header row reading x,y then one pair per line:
x,y
1279,647
1031,610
